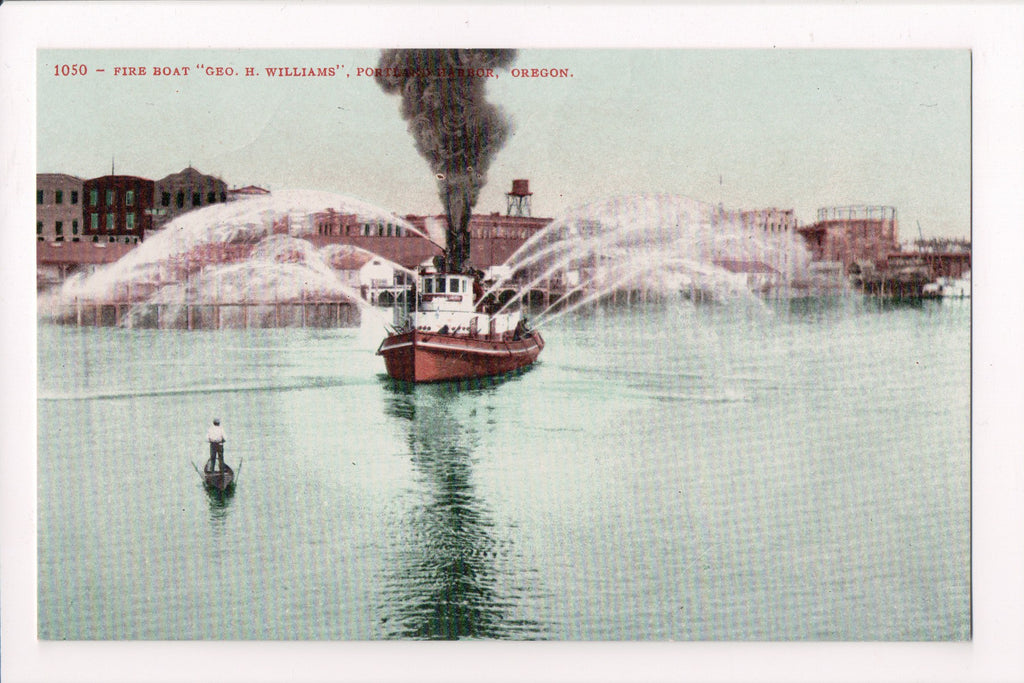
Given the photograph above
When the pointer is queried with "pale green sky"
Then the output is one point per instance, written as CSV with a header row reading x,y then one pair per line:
x,y
748,128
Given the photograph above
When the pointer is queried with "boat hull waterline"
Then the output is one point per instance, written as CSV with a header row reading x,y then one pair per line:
x,y
220,480
418,356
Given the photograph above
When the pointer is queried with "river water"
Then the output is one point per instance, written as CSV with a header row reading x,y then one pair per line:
x,y
781,471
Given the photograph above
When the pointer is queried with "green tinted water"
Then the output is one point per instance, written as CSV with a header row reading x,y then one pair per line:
x,y
795,471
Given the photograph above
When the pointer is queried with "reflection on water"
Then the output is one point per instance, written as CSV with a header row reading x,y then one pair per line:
x,y
448,581
220,502
894,303
401,395
814,309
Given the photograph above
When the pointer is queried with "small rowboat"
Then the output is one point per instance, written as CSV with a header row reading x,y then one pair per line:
x,y
219,480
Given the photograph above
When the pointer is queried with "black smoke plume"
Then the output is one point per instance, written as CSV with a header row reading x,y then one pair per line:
x,y
456,129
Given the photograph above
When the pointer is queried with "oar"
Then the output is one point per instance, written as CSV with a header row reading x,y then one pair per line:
x,y
238,472
198,472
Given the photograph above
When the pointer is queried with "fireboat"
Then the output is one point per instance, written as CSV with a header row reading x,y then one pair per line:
x,y
452,334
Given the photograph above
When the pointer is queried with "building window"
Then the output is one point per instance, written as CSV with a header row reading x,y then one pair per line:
x,y
58,197
180,200
94,197
110,222
165,199
39,196
129,198
196,199
74,196
110,197
94,221
39,227
211,197
74,227
130,221
58,228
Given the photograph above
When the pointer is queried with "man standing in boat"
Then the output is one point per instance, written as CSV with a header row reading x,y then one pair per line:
x,y
215,435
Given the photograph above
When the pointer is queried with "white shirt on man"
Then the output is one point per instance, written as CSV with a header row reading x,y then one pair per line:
x,y
215,434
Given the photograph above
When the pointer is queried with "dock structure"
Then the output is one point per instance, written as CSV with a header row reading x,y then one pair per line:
x,y
210,316
134,311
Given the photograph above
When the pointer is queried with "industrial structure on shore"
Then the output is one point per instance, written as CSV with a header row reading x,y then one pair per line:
x,y
85,223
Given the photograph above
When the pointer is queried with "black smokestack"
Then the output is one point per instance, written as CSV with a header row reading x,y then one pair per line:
x,y
456,129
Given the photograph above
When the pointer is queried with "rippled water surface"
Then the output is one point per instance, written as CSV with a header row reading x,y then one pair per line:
x,y
790,471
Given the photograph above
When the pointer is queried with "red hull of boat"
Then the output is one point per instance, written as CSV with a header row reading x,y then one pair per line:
x,y
429,357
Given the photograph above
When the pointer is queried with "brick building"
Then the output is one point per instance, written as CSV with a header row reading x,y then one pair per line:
x,y
770,220
247,191
58,207
493,237
332,223
183,191
117,208
121,209
848,234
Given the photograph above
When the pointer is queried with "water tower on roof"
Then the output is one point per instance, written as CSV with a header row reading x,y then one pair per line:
x,y
519,198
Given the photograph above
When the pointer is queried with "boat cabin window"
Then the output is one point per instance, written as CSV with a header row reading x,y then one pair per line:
x,y
428,285
440,285
454,285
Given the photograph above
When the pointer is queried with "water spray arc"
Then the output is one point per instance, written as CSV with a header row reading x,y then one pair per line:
x,y
658,243
246,258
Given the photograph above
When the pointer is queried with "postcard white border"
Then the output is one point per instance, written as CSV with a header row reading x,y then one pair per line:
x,y
993,34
